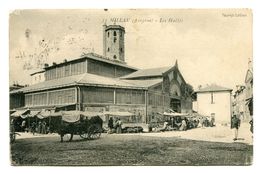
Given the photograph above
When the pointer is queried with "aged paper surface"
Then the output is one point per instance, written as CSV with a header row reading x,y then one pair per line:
x,y
170,80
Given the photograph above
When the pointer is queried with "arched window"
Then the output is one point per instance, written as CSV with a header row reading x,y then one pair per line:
x,y
107,34
114,33
108,49
114,56
121,50
121,33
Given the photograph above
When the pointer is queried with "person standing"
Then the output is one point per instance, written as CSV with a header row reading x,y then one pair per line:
x,y
33,127
23,126
43,127
235,124
39,127
119,126
183,125
110,125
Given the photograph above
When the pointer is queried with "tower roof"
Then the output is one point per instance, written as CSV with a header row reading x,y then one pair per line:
x,y
109,27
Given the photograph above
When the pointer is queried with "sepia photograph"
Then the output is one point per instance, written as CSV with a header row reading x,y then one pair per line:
x,y
131,87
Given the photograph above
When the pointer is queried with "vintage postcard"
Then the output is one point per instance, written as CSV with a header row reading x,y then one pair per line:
x,y
131,87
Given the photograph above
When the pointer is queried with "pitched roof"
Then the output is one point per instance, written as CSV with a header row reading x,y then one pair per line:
x,y
88,80
91,79
152,72
114,27
49,84
38,71
144,83
98,57
213,88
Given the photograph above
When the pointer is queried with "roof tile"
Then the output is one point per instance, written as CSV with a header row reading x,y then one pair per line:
x,y
152,72
88,79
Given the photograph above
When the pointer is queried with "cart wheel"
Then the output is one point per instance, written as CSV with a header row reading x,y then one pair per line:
x,y
94,132
84,135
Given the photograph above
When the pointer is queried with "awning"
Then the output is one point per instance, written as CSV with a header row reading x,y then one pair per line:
x,y
71,116
48,113
21,113
92,114
119,113
33,113
174,114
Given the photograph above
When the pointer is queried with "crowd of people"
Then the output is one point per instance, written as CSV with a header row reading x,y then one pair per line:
x,y
115,125
23,125
182,123
178,123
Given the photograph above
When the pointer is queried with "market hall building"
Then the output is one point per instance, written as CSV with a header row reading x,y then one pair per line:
x,y
106,83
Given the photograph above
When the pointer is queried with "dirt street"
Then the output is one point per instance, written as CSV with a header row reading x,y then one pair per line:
x,y
201,146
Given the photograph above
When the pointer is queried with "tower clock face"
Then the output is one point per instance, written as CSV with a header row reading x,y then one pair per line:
x,y
175,90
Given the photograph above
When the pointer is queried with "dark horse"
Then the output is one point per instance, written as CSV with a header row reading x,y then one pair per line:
x,y
86,128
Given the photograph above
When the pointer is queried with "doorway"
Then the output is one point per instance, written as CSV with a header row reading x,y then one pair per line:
x,y
175,105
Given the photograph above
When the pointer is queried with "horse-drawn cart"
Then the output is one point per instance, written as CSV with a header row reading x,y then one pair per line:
x,y
79,123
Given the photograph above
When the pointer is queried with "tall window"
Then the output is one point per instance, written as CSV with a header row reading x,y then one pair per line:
x,y
66,96
114,33
212,98
108,49
107,34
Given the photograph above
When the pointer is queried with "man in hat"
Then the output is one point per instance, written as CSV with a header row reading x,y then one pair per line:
x,y
235,124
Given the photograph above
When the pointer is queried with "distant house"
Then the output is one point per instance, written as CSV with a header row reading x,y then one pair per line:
x,y
38,76
215,100
16,99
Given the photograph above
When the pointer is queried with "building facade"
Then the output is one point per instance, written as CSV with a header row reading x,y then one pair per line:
x,y
106,84
215,101
240,107
243,96
249,91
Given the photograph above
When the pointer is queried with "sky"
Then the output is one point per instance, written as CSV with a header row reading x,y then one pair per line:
x,y
211,46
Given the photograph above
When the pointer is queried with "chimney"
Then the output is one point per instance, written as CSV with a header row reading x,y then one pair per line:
x,y
176,63
46,65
